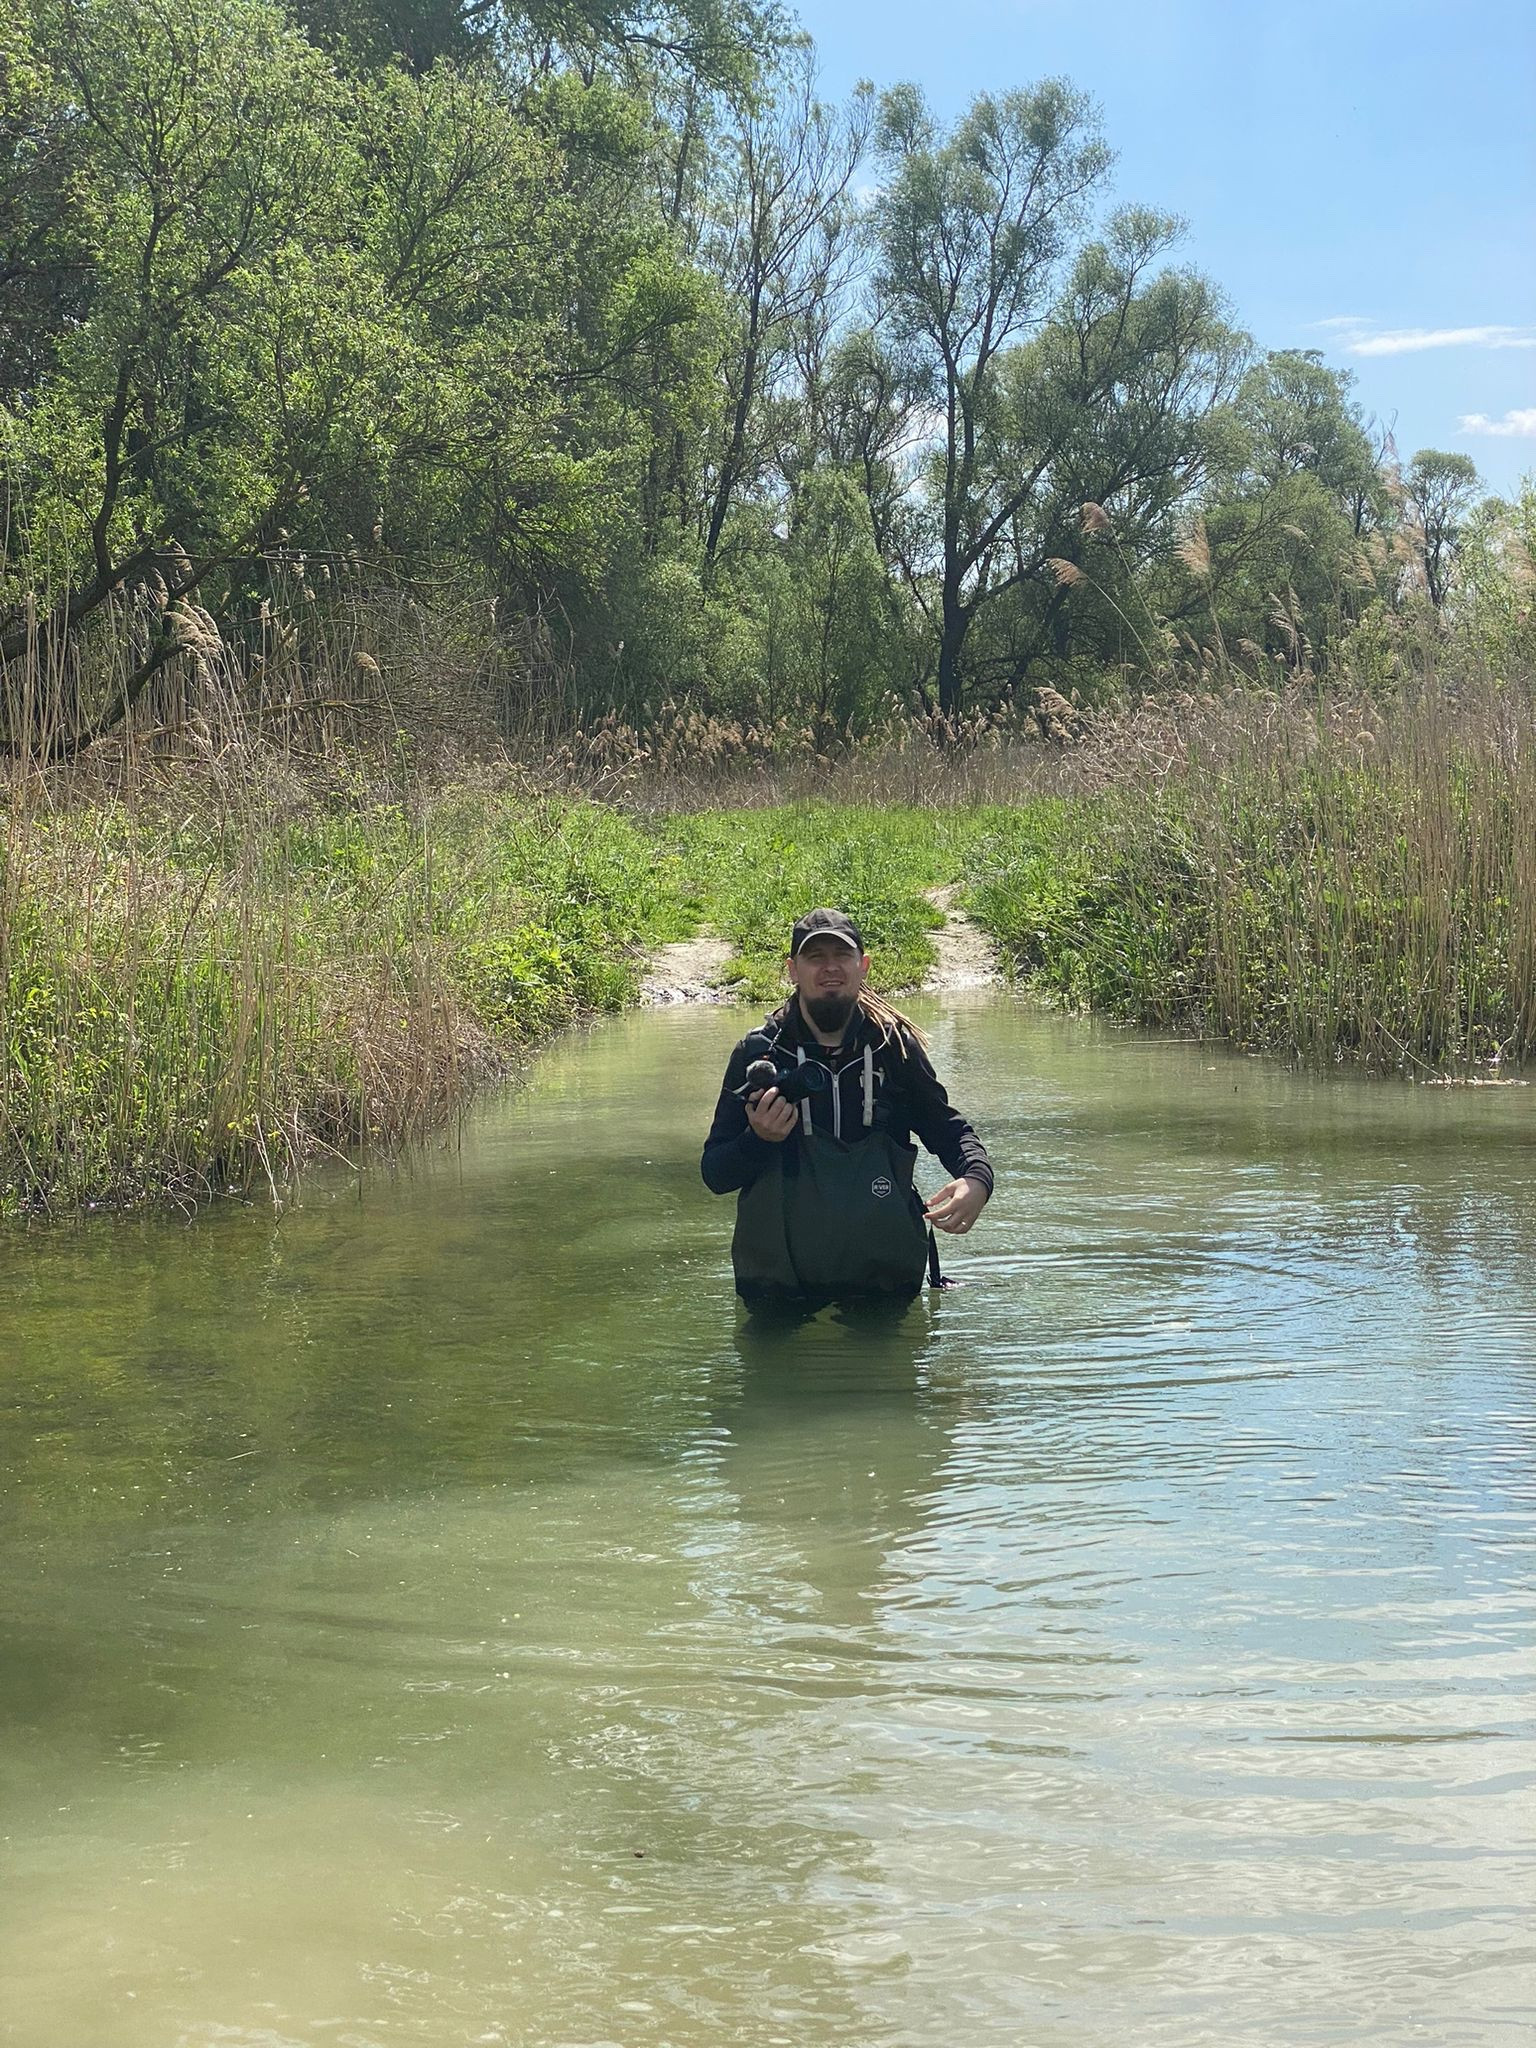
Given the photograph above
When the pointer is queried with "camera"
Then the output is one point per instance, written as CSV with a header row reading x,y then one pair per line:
x,y
793,1083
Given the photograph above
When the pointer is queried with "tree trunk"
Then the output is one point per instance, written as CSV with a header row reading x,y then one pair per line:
x,y
954,625
730,466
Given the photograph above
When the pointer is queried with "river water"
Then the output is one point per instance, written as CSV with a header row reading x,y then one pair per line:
x,y
430,1618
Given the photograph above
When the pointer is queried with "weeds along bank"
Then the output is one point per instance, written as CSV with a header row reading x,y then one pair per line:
x,y
1339,879
203,986
212,972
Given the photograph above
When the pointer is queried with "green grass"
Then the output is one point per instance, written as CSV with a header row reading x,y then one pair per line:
x,y
753,872
199,995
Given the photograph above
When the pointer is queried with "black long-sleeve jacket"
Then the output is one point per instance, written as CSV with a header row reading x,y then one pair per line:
x,y
909,1101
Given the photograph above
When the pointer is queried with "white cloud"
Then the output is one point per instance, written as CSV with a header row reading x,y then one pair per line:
x,y
1403,341
1520,422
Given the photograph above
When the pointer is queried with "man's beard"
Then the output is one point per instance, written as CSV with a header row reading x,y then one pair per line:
x,y
829,1013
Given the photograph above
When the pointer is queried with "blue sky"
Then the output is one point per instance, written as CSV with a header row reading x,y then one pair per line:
x,y
1357,177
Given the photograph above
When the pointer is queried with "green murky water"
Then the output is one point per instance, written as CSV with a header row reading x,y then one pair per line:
x,y
429,1619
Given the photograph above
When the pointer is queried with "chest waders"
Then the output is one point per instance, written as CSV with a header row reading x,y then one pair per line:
x,y
830,1216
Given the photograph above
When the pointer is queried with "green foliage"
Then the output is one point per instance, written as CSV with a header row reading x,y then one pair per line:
x,y
1496,574
1345,892
801,625
1282,567
1295,417
566,317
1030,882
1120,402
43,245
560,319
208,195
195,994
971,229
755,872
218,999
718,41
393,302
420,33
1294,524
517,980
1439,488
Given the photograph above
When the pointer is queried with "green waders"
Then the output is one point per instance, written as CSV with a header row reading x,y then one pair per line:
x,y
827,1217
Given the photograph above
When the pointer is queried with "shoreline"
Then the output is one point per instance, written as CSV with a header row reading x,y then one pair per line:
x,y
206,989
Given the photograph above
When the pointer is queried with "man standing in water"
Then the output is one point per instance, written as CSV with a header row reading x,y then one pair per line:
x,y
814,1128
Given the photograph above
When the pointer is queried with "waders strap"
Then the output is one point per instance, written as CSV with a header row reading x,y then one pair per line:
x,y
935,1277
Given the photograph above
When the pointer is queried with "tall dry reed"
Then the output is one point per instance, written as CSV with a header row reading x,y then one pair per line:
x,y
1296,871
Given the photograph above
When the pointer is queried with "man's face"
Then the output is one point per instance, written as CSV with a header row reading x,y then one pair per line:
x,y
828,976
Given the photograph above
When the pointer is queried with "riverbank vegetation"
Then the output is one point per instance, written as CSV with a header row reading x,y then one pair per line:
x,y
1323,878
201,988
215,968
470,476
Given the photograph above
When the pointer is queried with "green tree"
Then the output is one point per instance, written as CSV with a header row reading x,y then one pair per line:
x,y
844,648
864,413
208,194
1299,419
971,230
1117,405
630,397
779,223
44,257
1296,515
1495,610
431,305
717,41
1439,489
309,297
419,33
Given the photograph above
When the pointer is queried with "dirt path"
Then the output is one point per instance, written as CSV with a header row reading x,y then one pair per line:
x,y
966,958
686,973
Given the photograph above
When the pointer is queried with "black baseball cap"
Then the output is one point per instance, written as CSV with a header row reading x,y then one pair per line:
x,y
825,924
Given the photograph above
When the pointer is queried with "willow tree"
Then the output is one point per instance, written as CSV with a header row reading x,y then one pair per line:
x,y
1120,405
1440,487
204,195
718,42
972,228
1296,513
294,295
780,222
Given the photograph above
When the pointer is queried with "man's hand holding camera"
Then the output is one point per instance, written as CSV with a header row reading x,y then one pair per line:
x,y
771,1116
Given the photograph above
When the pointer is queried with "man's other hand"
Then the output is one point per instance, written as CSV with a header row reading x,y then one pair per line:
x,y
771,1116
956,1206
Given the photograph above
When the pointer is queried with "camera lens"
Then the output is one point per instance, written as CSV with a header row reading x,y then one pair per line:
x,y
809,1078
793,1083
